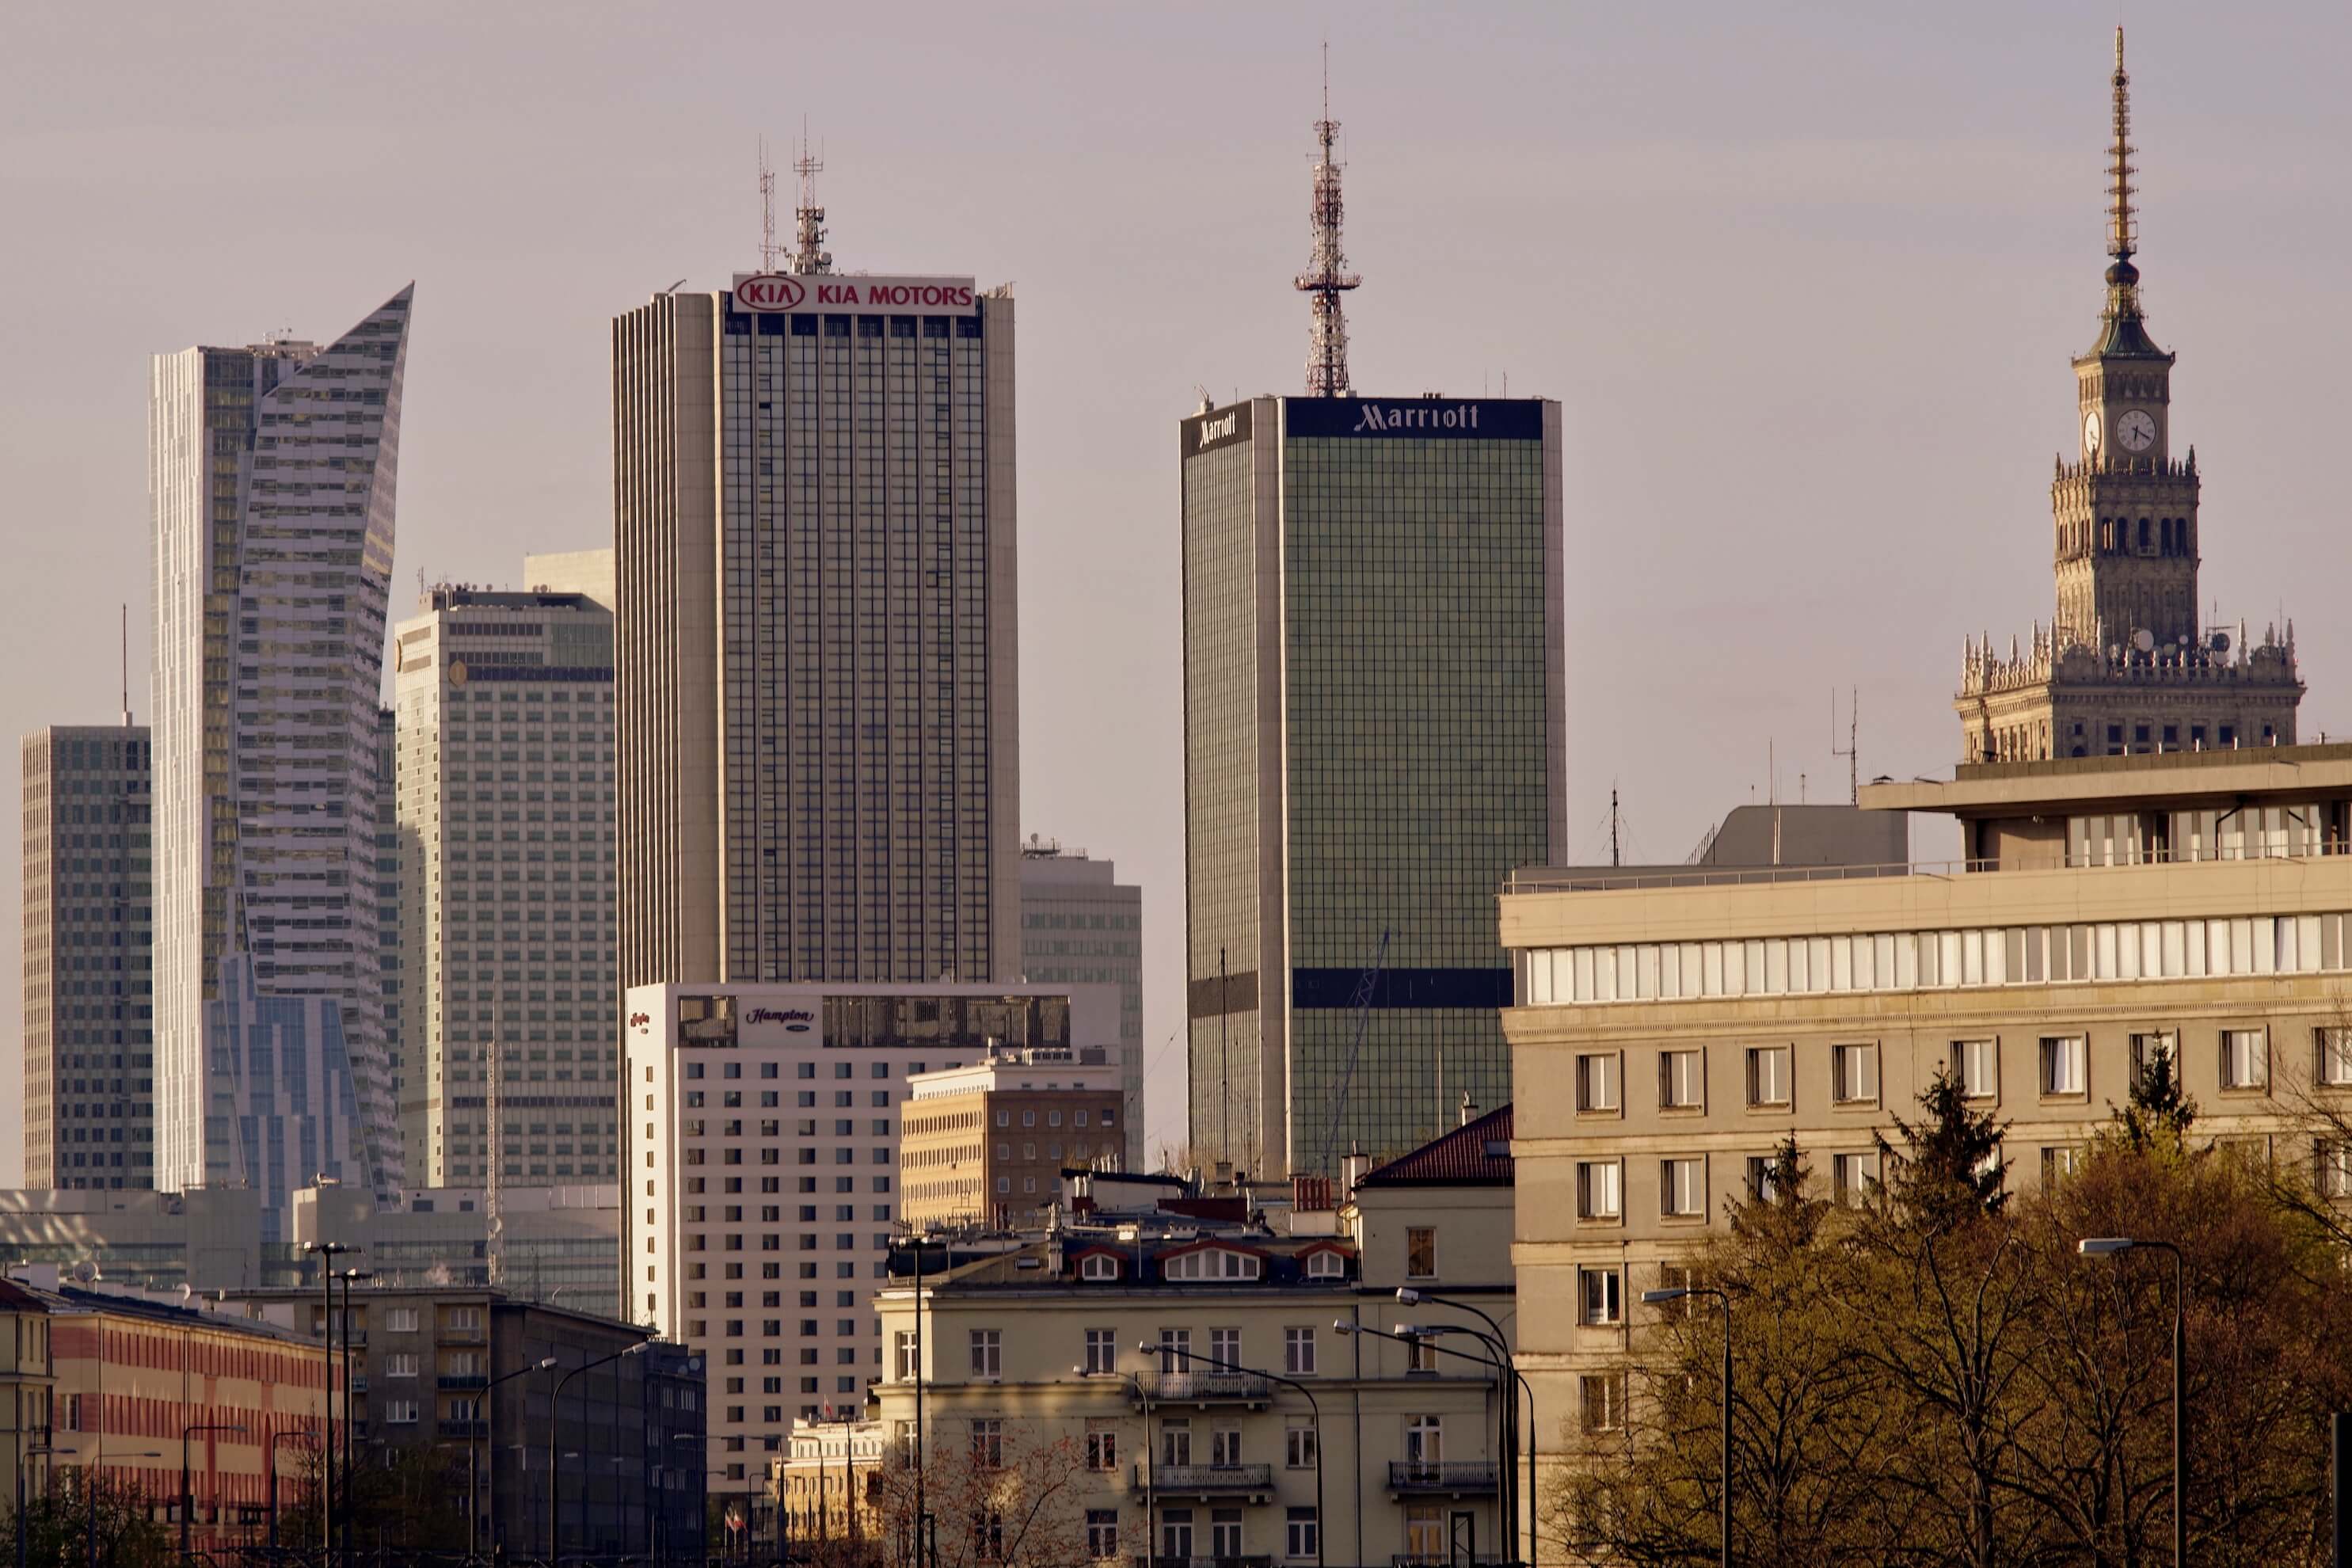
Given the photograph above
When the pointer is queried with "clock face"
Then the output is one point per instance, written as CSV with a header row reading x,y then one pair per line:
x,y
2137,429
2091,433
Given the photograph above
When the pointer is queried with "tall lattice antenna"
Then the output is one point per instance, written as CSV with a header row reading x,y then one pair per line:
x,y
1326,276
808,218
767,210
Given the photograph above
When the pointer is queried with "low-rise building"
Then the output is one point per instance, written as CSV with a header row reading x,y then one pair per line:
x,y
988,1142
827,1484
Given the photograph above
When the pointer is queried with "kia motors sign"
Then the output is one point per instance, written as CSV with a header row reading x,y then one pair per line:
x,y
784,294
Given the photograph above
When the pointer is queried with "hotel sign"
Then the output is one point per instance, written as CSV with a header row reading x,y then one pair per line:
x,y
1415,418
1226,426
788,294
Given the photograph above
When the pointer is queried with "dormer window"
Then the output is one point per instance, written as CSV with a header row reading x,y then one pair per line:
x,y
1325,1264
1211,1263
1098,1266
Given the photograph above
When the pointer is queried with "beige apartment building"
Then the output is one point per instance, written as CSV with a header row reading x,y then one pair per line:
x,y
1672,1027
988,1142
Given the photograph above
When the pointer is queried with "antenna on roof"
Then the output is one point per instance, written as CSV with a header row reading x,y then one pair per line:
x,y
126,667
808,218
1327,275
1850,753
767,210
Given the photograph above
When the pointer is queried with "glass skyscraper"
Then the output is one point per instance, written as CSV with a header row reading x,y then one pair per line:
x,y
272,474
1373,736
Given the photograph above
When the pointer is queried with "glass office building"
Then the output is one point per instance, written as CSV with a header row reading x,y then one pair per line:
x,y
1373,736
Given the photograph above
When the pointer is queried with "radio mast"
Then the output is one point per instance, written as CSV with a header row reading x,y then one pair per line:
x,y
808,218
1326,276
767,211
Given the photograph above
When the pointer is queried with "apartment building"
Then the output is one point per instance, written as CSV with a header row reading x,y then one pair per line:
x,y
1220,1391
1671,1028
989,1142
1080,923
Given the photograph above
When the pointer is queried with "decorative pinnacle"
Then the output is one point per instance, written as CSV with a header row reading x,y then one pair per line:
x,y
2120,239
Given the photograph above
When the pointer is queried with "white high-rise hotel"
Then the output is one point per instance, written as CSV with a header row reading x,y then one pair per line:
x,y
272,474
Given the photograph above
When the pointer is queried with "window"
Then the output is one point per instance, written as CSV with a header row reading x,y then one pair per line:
x,y
400,1366
1176,1441
988,1443
1299,1445
1852,1175
1225,1534
1420,1252
2063,1065
1424,1440
1596,1082
1854,1074
1298,1351
1225,1447
1210,1263
1173,1343
987,1353
1424,1534
2148,1049
1682,1187
1098,1265
2332,1168
2335,1057
1325,1264
1225,1345
1767,1075
2245,1058
400,1412
903,1347
1102,1351
1603,1301
1176,1532
1301,1534
988,1535
1102,1533
1102,1443
1597,1184
400,1320
2060,1163
1600,1402
1976,1064
1682,1081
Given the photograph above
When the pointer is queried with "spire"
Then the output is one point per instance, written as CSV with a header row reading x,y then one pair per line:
x,y
809,254
2125,332
1327,275
2119,207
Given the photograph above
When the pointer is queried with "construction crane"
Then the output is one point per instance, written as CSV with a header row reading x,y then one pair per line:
x,y
1362,1005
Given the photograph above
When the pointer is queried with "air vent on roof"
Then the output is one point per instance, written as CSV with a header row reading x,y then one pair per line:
x,y
1028,1263
1497,1149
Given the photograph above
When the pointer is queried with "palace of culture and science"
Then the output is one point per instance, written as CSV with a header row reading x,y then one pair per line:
x,y
2127,667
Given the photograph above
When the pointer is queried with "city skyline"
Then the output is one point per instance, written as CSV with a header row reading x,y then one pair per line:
x,y
1953,162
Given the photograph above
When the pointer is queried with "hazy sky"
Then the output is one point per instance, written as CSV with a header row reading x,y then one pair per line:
x,y
1806,278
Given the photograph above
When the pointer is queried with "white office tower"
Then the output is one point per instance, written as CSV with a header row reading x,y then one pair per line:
x,y
271,478
513,1041
813,512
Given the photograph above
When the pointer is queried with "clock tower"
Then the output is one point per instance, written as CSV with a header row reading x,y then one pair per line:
x,y
2126,665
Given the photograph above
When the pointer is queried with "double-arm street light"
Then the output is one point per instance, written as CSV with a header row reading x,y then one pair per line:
x,y
1683,1292
90,1487
555,1445
479,1425
1151,1465
293,1435
326,1252
1164,1349
187,1498
23,1455
1419,1337
1496,1342
2113,1246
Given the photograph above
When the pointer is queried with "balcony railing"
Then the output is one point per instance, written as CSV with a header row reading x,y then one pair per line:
x,y
1253,1559
1461,1477
1205,1387
463,1380
465,1428
461,1333
1445,1560
1204,1480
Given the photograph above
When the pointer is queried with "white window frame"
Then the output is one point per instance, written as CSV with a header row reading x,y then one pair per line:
x,y
1600,1083
987,1355
2065,1067
1854,1074
1101,1352
1674,1192
2333,1067
1600,1190
1689,1095
1769,1071
1852,1173
1299,1445
1600,1298
1098,1266
2246,1059
1299,1350
1975,1063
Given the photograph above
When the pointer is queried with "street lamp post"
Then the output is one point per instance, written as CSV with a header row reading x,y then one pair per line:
x,y
1681,1292
22,1455
1418,1336
187,1500
1315,1408
1503,1361
555,1450
1150,1467
326,1252
275,1439
2110,1246
921,1509
1496,1340
481,1421
351,1421
89,1486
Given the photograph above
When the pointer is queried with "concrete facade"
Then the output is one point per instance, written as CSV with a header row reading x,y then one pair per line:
x,y
814,516
1375,731
988,1142
87,1013
508,831
1080,924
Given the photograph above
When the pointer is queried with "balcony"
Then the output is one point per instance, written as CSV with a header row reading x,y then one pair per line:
x,y
1450,1477
465,1428
1255,1560
1441,1560
1253,1482
1205,1388
461,1333
463,1380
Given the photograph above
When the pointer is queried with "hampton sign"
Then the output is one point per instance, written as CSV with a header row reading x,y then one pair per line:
x,y
785,294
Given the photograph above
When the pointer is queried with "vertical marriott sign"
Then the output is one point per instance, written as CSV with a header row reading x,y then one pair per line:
x,y
785,294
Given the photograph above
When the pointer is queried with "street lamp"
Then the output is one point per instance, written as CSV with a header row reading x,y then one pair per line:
x,y
187,1502
1681,1292
22,1455
89,1485
1167,1347
1500,1344
555,1442
326,1252
293,1434
2113,1246
474,1453
351,1423
1150,1463
1419,1337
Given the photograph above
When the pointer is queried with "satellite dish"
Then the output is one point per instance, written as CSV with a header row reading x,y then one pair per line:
x,y
2143,640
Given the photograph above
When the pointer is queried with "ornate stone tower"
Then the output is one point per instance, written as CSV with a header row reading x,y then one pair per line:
x,y
2125,666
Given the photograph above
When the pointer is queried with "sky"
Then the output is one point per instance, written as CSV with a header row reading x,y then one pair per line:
x,y
1806,279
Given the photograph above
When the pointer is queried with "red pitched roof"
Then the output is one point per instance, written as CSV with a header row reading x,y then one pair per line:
x,y
1476,1155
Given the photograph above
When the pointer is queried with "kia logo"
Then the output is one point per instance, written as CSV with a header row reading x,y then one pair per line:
x,y
770,291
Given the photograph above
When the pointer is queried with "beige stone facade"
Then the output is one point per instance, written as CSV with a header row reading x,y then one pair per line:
x,y
1672,1029
988,1144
